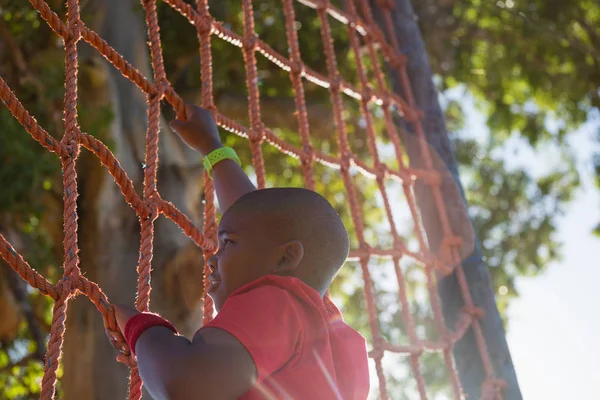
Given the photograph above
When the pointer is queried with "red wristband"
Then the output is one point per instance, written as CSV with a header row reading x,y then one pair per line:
x,y
139,323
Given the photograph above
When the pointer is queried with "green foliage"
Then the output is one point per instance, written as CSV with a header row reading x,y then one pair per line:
x,y
33,66
522,70
534,69
514,214
23,162
525,61
20,369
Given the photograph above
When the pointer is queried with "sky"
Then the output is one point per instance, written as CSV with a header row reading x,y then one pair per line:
x,y
554,325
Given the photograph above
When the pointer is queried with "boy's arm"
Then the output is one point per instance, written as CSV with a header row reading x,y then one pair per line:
x,y
231,183
215,365
201,134
255,334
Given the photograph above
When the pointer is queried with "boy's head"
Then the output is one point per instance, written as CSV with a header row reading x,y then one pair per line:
x,y
282,231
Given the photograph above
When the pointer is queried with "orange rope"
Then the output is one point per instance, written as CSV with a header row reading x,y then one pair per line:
x,y
151,205
210,222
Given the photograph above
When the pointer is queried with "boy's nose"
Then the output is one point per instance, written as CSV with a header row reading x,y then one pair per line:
x,y
212,263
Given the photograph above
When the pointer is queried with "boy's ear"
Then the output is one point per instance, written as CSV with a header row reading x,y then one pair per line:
x,y
292,254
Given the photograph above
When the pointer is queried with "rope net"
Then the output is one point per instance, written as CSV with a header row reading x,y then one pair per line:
x,y
358,16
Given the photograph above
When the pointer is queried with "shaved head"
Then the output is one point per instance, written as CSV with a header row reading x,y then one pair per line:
x,y
287,214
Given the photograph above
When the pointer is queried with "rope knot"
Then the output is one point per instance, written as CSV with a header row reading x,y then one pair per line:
x,y
453,240
357,25
399,244
159,89
386,4
492,388
322,5
385,100
72,148
68,284
251,42
256,133
367,93
204,24
345,162
432,178
437,264
297,67
74,33
376,353
377,34
335,84
152,206
397,61
213,109
418,115
309,154
381,171
474,312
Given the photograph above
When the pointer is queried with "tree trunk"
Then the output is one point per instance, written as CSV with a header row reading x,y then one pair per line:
x,y
466,353
109,228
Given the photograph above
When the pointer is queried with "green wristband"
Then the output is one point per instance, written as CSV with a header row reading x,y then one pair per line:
x,y
220,154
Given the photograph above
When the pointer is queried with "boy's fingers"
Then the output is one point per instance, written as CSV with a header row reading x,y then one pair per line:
x,y
202,111
190,110
112,338
207,116
125,360
123,314
175,125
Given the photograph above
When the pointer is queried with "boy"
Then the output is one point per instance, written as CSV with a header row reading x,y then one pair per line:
x,y
275,336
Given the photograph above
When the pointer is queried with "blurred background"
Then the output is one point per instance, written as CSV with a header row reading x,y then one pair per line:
x,y
519,85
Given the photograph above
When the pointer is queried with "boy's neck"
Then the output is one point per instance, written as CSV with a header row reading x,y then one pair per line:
x,y
317,286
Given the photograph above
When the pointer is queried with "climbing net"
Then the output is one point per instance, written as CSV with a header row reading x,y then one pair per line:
x,y
149,206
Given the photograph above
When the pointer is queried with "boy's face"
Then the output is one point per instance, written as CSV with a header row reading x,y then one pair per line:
x,y
246,252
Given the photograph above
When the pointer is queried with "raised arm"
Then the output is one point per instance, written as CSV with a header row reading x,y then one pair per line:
x,y
201,134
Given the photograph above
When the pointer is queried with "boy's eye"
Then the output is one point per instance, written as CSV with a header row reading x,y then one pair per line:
x,y
226,242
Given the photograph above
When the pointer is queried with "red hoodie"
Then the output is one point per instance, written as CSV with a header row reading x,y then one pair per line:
x,y
299,342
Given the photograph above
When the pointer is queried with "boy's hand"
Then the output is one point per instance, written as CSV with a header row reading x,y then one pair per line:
x,y
122,315
199,131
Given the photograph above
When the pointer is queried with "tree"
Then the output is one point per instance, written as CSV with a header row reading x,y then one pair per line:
x,y
533,68
488,48
113,110
33,66
109,231
421,87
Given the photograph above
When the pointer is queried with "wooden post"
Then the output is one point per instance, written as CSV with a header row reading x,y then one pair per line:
x,y
466,353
